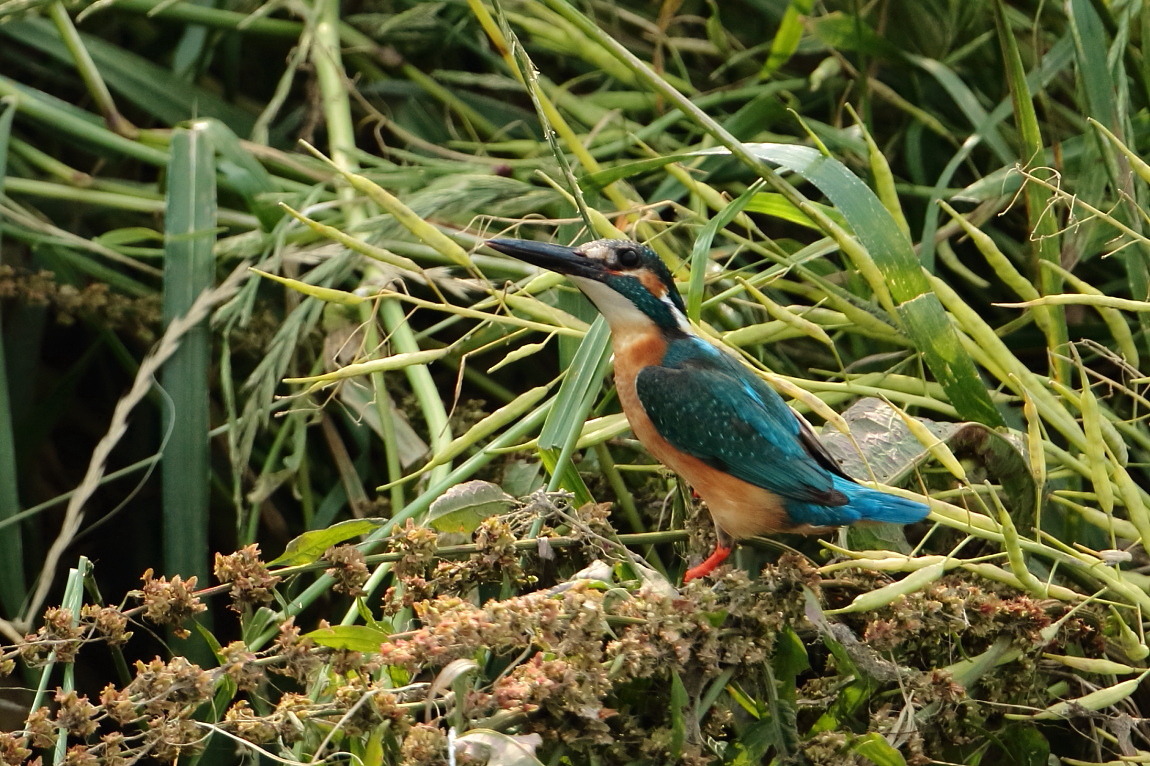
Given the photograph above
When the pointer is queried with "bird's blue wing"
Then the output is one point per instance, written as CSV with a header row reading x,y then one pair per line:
x,y
713,409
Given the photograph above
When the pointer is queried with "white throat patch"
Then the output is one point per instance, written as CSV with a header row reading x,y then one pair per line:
x,y
620,313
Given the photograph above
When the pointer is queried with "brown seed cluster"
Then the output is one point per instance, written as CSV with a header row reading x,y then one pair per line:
x,y
960,606
577,664
113,310
59,639
296,652
169,602
349,570
417,546
14,749
108,622
251,581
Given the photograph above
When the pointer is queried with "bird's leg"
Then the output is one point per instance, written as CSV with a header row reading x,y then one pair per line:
x,y
723,548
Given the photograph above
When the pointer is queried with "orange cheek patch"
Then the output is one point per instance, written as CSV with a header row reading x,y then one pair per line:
x,y
653,283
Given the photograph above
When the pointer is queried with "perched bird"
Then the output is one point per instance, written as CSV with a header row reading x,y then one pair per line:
x,y
704,414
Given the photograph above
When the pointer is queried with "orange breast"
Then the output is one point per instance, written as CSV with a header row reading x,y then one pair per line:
x,y
738,508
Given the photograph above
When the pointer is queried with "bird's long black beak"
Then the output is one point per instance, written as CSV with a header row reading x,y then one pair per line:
x,y
564,260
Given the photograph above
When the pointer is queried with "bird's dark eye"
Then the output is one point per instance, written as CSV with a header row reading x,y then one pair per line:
x,y
628,257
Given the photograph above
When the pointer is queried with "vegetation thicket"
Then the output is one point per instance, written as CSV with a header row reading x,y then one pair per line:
x,y
247,314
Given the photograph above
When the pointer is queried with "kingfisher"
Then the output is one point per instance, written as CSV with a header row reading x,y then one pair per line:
x,y
703,413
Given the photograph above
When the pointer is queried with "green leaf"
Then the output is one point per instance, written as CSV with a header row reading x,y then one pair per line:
x,y
845,32
1043,228
1023,745
701,250
356,638
854,695
131,241
64,118
154,89
876,749
308,547
189,270
679,702
778,206
789,661
751,706
580,386
12,583
754,742
577,394
786,40
465,506
244,174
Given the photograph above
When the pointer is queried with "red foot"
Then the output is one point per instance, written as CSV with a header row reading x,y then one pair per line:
x,y
718,557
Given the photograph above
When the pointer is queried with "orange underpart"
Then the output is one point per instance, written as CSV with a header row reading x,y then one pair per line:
x,y
718,557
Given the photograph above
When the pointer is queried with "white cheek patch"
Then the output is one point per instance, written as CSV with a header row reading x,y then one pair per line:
x,y
619,311
680,317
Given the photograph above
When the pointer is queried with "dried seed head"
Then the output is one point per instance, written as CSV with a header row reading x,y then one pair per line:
x,y
251,581
107,621
169,602
348,569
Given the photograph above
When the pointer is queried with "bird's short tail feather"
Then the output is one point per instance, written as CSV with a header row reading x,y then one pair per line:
x,y
873,505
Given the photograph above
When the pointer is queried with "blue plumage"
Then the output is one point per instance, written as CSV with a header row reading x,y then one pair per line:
x,y
863,504
707,404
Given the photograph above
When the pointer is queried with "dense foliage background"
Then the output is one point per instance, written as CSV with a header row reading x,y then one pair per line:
x,y
245,306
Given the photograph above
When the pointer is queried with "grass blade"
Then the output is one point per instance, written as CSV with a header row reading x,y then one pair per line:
x,y
12,584
1043,227
189,269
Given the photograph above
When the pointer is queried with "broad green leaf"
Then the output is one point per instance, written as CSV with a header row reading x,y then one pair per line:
x,y
789,661
308,547
577,395
154,89
842,31
464,507
875,748
1022,744
1043,227
778,206
244,174
354,638
701,250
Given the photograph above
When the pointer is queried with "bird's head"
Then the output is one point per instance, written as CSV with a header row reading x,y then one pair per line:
x,y
626,281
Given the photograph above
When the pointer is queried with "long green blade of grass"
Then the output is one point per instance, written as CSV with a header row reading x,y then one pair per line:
x,y
188,271
1043,226
12,585
152,88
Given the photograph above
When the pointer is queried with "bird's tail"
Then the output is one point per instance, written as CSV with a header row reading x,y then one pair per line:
x,y
874,505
